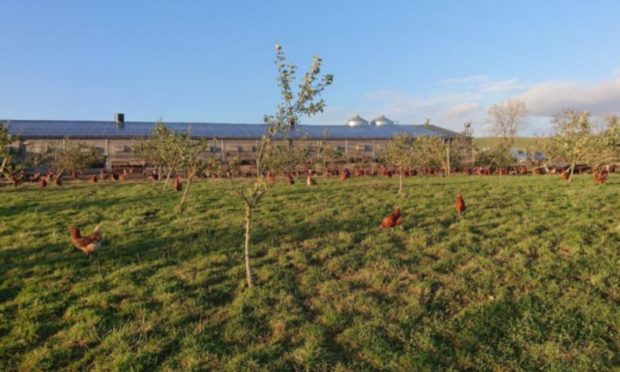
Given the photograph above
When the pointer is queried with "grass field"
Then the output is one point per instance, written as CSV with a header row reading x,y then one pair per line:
x,y
528,279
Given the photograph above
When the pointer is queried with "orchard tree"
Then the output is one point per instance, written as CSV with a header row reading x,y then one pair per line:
x,y
14,162
604,144
161,149
432,152
612,136
461,148
281,158
305,101
399,153
5,140
328,156
572,140
193,159
73,157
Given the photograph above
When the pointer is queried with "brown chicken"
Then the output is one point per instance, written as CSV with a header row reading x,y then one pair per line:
x,y
344,174
460,204
393,220
87,244
271,178
565,175
42,182
291,179
310,181
600,177
386,173
178,186
58,181
115,176
94,179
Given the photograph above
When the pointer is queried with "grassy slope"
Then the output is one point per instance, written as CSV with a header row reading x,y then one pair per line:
x,y
528,279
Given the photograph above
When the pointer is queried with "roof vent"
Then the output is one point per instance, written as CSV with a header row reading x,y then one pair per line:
x,y
119,119
357,121
381,121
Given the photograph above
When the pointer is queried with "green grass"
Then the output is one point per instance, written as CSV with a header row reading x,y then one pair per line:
x,y
528,279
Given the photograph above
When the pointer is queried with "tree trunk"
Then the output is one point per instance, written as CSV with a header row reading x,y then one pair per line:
x,y
4,163
448,160
572,171
400,179
167,179
184,197
248,234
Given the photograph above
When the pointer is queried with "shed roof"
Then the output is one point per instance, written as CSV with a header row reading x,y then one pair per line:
x,y
44,129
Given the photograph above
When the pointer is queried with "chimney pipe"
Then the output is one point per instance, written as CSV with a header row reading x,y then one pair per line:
x,y
119,119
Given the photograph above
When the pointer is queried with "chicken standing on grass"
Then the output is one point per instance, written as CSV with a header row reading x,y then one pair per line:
x,y
392,220
310,181
178,186
87,244
600,177
460,204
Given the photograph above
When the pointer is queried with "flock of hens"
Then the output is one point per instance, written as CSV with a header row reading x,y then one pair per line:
x,y
89,244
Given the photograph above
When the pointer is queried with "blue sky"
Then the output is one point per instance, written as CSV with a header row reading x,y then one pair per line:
x,y
213,60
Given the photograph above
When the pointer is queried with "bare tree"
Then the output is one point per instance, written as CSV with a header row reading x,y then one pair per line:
x,y
506,120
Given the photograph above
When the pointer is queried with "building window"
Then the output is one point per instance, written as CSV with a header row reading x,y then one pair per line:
x,y
366,148
240,149
215,149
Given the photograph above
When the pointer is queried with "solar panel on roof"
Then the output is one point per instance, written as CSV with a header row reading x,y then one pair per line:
x,y
106,129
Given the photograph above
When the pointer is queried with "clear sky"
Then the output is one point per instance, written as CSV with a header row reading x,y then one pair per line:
x,y
213,60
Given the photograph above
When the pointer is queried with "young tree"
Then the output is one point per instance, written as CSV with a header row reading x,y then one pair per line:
x,y
399,153
572,139
14,162
5,140
328,156
193,160
604,144
612,136
161,149
461,148
74,157
281,158
432,152
306,101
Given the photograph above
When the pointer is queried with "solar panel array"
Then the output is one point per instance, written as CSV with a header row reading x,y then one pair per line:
x,y
108,129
